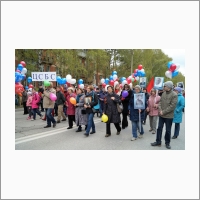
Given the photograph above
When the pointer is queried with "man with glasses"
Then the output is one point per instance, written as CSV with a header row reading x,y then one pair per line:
x,y
166,108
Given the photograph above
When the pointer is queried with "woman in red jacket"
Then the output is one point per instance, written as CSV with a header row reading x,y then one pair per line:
x,y
70,107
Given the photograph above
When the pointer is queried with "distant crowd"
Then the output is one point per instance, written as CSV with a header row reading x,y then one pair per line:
x,y
166,105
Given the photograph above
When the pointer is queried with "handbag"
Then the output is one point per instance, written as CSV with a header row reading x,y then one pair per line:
x,y
119,107
95,109
83,111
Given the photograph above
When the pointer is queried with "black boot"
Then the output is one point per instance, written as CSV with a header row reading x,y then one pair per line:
x,y
168,146
79,129
156,144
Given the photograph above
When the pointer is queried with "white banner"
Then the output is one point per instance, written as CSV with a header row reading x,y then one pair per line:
x,y
43,76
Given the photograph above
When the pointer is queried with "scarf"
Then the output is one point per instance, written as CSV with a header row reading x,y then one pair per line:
x,y
78,98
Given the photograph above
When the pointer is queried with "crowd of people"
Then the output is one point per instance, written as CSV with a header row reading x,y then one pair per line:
x,y
162,107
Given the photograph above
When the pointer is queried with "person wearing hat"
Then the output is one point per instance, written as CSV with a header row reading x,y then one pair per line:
x,y
48,105
134,115
110,109
166,108
80,112
178,111
125,103
70,107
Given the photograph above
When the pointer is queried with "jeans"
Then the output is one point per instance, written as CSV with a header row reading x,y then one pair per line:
x,y
49,116
177,129
29,110
35,110
135,126
168,125
90,123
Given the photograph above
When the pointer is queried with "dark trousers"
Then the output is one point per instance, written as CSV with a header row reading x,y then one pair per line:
x,y
56,109
117,126
71,118
29,111
145,116
25,108
168,125
124,120
183,109
35,110
177,129
42,109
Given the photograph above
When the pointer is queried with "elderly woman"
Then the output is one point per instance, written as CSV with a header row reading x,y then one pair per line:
x,y
90,101
152,108
70,107
178,112
80,113
110,109
134,115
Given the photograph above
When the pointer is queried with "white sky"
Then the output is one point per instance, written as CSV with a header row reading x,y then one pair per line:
x,y
178,56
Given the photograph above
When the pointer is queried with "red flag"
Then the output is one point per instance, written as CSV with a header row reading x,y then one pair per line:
x,y
150,85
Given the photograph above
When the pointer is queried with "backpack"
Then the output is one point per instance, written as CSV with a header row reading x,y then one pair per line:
x,y
95,108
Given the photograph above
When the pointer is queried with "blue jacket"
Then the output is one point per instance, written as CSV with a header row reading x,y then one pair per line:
x,y
134,113
178,110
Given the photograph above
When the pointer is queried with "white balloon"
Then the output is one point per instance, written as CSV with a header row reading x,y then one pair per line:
x,y
124,82
137,78
168,74
142,70
114,77
131,85
177,67
72,81
24,71
68,77
81,86
102,80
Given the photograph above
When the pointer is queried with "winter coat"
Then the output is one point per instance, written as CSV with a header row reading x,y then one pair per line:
x,y
102,96
70,106
24,96
125,102
35,100
167,104
153,100
29,101
178,110
81,119
110,108
94,101
60,98
47,102
134,113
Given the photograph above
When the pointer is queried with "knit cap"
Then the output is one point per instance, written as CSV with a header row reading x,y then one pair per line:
x,y
169,84
178,89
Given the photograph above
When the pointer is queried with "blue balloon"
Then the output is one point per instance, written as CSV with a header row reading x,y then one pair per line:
x,y
114,73
19,67
122,79
26,87
29,79
80,81
18,78
169,64
107,81
63,81
23,77
174,73
111,77
139,72
58,78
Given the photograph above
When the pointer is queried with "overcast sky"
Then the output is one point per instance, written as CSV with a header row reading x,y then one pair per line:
x,y
178,56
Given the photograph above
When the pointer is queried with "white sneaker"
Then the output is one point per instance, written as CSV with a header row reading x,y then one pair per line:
x,y
140,136
32,119
133,138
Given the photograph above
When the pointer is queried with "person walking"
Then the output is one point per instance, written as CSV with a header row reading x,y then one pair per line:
x,y
48,105
152,108
178,112
125,103
24,100
166,108
110,109
40,92
29,104
80,112
134,115
60,102
35,104
147,98
70,107
90,101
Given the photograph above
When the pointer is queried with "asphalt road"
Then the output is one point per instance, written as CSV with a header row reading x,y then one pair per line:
x,y
30,135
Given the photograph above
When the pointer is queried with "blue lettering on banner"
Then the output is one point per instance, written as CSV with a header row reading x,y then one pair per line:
x,y
46,77
34,76
39,76
52,77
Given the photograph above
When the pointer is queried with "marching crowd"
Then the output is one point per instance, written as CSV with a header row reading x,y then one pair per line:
x,y
167,106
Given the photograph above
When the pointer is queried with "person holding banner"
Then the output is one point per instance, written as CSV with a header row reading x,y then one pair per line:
x,y
48,105
137,115
166,108
152,108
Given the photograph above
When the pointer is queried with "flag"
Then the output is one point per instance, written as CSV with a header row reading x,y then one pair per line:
x,y
150,85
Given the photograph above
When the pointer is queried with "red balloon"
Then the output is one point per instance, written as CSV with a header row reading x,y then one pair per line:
x,y
103,85
135,71
68,84
128,81
18,71
30,86
23,63
112,82
172,67
139,67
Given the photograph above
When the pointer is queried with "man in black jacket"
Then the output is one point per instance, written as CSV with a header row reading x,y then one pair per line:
x,y
60,102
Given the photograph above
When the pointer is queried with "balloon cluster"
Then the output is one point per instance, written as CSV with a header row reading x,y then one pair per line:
x,y
172,70
137,73
80,83
20,75
68,80
111,80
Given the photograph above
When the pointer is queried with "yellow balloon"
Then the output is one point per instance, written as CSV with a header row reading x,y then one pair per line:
x,y
104,118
